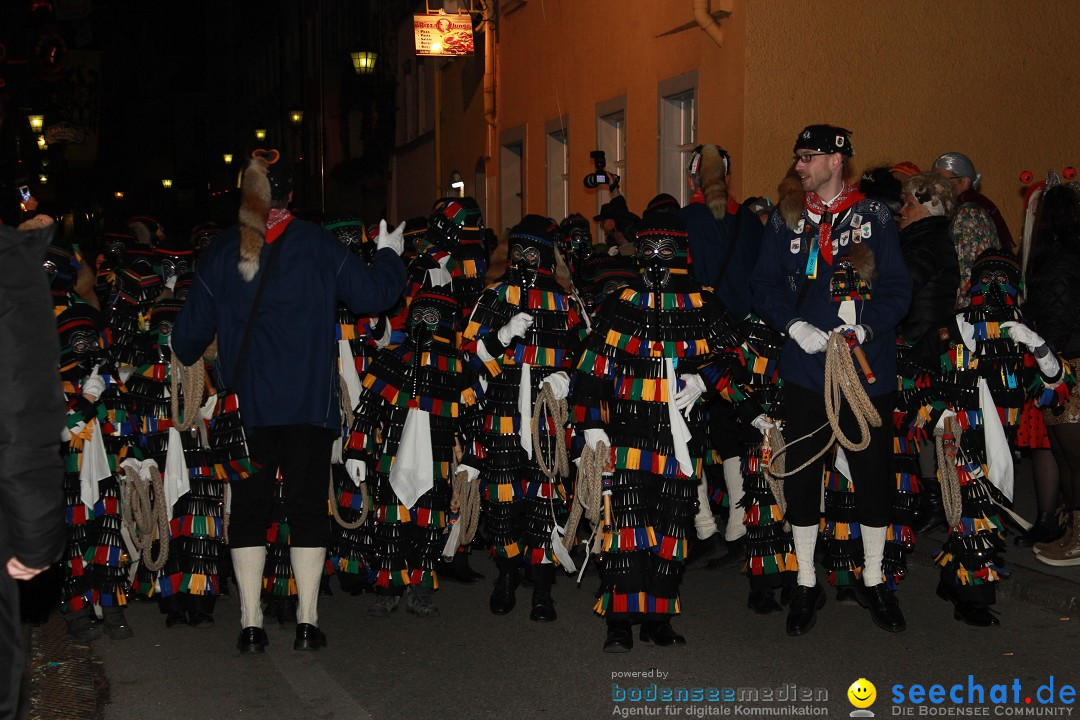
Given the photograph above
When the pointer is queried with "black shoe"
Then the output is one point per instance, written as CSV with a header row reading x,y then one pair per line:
x,y
1046,529
82,628
660,633
116,624
762,602
309,637
620,638
459,570
702,553
802,613
543,608
503,599
736,554
176,618
846,596
975,613
201,620
931,507
252,641
883,606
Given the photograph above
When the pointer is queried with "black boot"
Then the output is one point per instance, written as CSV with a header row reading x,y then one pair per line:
x,y
620,637
931,507
543,607
1046,529
459,569
503,599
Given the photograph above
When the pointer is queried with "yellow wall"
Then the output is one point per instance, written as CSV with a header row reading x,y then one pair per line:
x,y
994,79
561,57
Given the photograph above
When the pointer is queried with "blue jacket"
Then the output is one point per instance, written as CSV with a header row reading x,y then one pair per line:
x,y
709,241
291,375
781,271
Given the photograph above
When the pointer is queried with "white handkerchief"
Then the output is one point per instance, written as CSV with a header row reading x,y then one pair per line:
x,y
348,373
999,458
680,433
412,473
95,466
177,482
525,409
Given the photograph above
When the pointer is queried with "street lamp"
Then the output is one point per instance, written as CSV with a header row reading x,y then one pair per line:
x,y
296,117
166,183
364,62
43,179
36,122
41,142
227,157
260,133
119,194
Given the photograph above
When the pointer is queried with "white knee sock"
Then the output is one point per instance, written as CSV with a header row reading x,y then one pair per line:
x,y
805,541
248,565
733,481
873,547
704,522
307,566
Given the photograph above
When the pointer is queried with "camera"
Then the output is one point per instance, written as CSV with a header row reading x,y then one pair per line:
x,y
24,193
600,177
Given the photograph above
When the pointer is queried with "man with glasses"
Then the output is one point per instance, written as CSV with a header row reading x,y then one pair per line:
x,y
837,268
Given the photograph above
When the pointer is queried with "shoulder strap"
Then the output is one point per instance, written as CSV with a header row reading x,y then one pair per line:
x,y
245,344
731,245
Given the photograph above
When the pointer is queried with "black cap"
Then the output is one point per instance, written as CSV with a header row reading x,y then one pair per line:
x,y
614,209
825,138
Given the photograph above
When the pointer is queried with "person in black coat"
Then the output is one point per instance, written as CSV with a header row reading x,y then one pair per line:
x,y
932,262
31,504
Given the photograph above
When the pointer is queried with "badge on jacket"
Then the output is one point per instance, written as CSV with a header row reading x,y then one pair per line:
x,y
796,245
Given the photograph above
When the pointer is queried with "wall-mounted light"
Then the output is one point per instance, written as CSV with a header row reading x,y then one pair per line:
x,y
457,184
363,62
296,116
43,179
166,183
119,194
36,122
260,133
41,142
227,157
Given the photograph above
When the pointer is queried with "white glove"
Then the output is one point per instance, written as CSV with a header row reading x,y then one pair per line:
x,y
357,470
93,387
472,472
171,282
393,240
559,383
613,251
515,327
1021,333
595,436
762,423
860,331
946,415
685,398
811,339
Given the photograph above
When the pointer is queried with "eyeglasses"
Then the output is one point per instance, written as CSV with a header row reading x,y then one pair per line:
x,y
805,158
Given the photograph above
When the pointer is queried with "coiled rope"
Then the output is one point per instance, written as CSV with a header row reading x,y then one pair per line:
x,y
548,408
365,499
588,498
841,383
192,378
948,479
145,516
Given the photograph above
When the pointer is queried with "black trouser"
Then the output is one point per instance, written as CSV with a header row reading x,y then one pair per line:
x,y
871,469
302,452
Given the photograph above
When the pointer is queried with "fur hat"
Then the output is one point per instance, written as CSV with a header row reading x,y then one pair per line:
x,y
791,196
254,208
709,167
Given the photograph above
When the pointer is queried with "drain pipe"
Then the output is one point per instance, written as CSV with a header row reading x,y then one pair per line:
x,y
705,22
489,105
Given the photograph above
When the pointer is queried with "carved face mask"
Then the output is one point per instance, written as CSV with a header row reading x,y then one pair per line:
x,y
524,264
655,255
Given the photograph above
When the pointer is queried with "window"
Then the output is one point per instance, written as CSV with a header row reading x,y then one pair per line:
x,y
558,170
611,138
678,134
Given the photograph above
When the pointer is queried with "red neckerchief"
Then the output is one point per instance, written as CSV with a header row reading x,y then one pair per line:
x,y
276,221
848,196
699,197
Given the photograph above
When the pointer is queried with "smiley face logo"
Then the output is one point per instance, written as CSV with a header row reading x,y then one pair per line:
x,y
862,693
